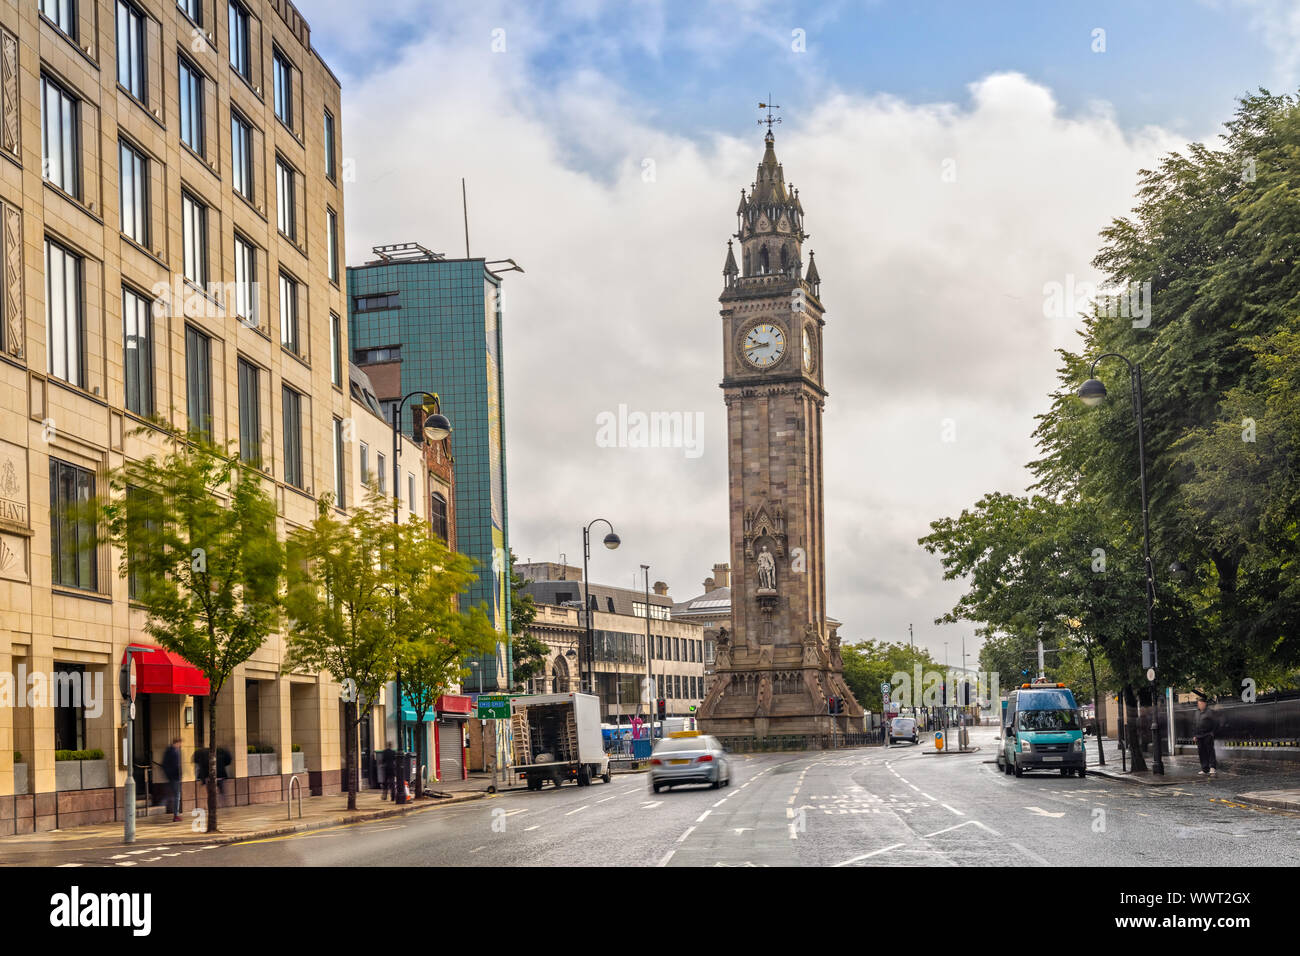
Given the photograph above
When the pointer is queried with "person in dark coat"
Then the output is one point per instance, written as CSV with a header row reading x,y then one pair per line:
x,y
1206,724
171,764
223,761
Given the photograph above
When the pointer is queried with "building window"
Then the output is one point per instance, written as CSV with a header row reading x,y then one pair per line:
x,y
137,346
382,473
283,75
198,381
291,402
241,155
365,463
63,314
332,243
245,282
194,239
289,314
239,50
133,193
192,9
63,14
336,350
391,409
69,710
391,353
330,171
132,73
284,199
250,414
438,515
372,303
190,92
145,501
60,137
340,495
72,528
410,492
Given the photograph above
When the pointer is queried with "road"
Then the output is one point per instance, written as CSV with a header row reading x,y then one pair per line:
x,y
903,805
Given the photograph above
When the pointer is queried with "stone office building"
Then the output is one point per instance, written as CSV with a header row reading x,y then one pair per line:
x,y
171,214
618,653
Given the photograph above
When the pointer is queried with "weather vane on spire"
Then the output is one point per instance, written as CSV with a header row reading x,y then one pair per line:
x,y
770,120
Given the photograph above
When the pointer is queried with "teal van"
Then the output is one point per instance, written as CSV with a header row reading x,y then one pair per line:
x,y
1042,731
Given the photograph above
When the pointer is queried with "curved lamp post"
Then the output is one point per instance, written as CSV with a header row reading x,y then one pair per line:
x,y
437,428
1093,392
612,541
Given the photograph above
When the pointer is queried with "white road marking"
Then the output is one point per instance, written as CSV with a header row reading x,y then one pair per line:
x,y
578,810
1044,813
700,818
607,798
865,856
127,863
667,856
926,795
511,813
651,806
1031,855
533,827
688,832
953,809
740,830
959,826
70,864
476,849
721,802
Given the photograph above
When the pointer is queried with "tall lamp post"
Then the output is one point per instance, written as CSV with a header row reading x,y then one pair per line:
x,y
649,662
1093,392
612,541
435,427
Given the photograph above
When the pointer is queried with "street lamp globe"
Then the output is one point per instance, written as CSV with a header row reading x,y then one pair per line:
x,y
1178,571
1092,392
436,427
612,541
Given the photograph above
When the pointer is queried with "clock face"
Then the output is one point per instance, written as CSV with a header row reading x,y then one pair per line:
x,y
807,351
764,345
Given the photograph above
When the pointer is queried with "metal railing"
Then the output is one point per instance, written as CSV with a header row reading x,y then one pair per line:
x,y
796,742
289,800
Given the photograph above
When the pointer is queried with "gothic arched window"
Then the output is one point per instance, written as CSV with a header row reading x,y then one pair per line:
x,y
762,261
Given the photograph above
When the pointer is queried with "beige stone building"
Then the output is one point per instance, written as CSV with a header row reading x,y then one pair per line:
x,y
171,212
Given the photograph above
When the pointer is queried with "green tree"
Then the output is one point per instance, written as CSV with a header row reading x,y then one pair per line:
x,y
868,664
197,530
530,652
434,637
339,603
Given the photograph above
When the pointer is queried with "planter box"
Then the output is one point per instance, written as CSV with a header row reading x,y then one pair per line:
x,y
299,762
263,765
81,774
20,778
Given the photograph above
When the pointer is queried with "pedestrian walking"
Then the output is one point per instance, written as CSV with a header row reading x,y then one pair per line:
x,y
171,764
1206,725
223,765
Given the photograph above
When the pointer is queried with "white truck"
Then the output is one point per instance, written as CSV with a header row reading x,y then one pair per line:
x,y
557,737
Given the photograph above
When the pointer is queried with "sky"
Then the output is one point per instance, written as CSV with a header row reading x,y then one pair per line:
x,y
953,159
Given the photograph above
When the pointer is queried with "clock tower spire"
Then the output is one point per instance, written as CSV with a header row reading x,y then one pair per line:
x,y
778,666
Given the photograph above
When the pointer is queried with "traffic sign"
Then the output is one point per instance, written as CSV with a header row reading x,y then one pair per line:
x,y
884,687
1151,673
492,706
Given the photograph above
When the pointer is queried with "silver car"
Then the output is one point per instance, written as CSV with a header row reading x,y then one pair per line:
x,y
696,758
904,728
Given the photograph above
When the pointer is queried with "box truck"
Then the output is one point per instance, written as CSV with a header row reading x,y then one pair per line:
x,y
556,737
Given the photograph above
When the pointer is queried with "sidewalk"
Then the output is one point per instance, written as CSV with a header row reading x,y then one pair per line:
x,y
256,821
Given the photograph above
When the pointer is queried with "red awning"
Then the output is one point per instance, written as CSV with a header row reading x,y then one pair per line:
x,y
454,704
164,672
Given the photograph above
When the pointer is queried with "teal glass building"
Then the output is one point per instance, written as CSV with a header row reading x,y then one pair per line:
x,y
442,318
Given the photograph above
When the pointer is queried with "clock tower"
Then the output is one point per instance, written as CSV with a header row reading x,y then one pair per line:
x,y
778,666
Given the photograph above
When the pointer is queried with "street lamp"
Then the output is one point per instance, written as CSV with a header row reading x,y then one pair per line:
x,y
1093,392
435,427
612,541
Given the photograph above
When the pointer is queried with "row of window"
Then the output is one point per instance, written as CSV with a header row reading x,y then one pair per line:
x,y
678,649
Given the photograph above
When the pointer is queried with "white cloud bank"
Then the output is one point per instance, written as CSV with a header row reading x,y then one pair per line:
x,y
934,292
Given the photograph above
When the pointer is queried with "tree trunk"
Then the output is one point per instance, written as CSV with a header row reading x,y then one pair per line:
x,y
212,763
354,759
1096,714
1137,762
419,754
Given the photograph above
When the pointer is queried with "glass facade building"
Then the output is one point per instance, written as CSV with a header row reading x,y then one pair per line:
x,y
444,315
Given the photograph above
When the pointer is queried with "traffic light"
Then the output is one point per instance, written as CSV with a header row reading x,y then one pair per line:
x,y
663,708
830,706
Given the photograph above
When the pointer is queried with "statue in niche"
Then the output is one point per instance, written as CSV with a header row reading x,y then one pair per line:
x,y
812,647
722,649
764,696
766,570
837,661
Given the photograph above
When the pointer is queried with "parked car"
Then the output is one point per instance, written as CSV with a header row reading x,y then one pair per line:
x,y
689,757
904,728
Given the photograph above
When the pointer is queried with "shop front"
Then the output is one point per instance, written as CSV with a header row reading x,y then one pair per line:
x,y
453,712
165,687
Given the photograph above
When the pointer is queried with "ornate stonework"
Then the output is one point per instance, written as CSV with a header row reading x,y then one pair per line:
x,y
15,336
776,666
10,124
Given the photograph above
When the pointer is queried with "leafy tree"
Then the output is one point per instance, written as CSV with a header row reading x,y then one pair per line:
x,y
868,664
530,652
433,636
197,529
339,603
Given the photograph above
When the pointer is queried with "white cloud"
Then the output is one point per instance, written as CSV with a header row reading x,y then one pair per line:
x,y
934,291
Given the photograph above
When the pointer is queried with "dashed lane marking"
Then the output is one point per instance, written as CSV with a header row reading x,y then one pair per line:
x,y
953,809
666,857
689,831
867,856
578,810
